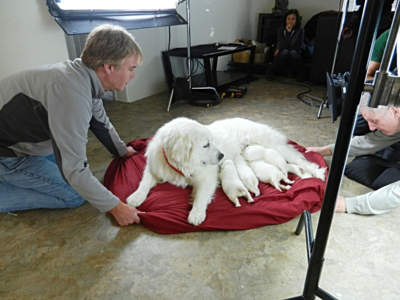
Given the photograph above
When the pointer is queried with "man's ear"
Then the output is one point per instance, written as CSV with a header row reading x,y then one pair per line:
x,y
108,68
395,111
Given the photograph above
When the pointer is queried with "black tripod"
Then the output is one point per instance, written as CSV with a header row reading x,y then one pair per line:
x,y
316,248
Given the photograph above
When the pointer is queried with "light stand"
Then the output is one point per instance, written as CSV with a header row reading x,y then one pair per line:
x,y
189,58
355,87
324,100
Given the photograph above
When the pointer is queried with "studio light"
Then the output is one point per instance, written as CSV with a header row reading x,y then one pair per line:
x,y
82,16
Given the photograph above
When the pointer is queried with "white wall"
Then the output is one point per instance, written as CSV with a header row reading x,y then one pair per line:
x,y
30,37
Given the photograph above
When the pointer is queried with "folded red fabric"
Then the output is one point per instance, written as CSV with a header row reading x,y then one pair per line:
x,y
167,206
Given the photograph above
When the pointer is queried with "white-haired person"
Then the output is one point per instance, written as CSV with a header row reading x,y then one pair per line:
x,y
379,170
45,115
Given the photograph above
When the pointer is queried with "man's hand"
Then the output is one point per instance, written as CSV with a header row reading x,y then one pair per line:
x,y
324,151
125,214
130,152
340,205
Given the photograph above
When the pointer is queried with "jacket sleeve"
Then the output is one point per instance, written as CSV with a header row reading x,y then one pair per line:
x,y
299,40
70,113
377,202
370,143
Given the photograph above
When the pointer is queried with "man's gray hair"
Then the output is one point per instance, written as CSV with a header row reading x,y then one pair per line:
x,y
364,102
109,44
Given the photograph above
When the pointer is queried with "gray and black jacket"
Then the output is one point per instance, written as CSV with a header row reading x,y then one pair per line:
x,y
49,110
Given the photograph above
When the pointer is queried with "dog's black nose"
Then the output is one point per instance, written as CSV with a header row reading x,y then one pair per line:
x,y
220,156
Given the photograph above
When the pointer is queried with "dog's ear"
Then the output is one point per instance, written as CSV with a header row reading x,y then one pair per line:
x,y
178,148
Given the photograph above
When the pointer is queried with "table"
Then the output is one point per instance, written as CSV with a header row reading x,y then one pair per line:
x,y
208,53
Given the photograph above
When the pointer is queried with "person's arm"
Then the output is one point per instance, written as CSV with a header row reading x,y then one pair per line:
x,y
299,39
361,145
377,54
105,132
371,143
69,114
372,68
377,202
280,38
324,151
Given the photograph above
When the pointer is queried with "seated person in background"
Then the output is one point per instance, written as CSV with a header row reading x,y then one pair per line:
x,y
380,173
290,41
377,55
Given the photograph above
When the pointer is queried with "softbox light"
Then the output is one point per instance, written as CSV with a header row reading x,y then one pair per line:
x,y
82,16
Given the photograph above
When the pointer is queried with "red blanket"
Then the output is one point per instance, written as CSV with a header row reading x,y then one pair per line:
x,y
167,207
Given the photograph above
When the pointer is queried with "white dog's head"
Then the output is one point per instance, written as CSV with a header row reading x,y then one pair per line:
x,y
188,145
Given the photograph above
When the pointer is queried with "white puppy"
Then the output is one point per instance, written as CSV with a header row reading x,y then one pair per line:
x,y
270,156
270,174
246,175
231,184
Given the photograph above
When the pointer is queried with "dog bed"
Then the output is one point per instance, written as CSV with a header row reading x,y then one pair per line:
x,y
167,207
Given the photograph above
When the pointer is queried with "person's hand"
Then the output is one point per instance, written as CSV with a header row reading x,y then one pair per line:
x,y
276,52
340,205
324,151
125,214
130,152
289,28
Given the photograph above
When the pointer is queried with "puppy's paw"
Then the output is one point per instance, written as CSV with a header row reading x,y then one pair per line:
x,y
196,217
255,191
285,187
136,199
320,173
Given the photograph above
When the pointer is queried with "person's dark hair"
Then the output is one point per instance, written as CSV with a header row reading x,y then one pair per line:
x,y
292,12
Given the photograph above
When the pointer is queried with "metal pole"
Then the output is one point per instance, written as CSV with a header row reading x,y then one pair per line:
x,y
355,88
344,14
189,57
381,77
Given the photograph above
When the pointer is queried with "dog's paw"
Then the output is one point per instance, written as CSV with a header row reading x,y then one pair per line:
x,y
196,217
136,199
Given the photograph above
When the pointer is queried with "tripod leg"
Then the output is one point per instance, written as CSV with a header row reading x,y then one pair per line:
x,y
321,107
170,99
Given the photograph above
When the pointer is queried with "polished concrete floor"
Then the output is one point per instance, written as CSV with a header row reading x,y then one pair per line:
x,y
82,254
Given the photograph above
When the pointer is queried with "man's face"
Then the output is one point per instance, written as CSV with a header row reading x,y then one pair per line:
x,y
387,122
122,76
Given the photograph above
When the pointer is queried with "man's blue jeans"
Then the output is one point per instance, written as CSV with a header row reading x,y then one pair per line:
x,y
32,182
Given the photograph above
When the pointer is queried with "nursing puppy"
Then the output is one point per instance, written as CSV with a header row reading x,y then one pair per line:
x,y
246,175
270,174
231,184
270,156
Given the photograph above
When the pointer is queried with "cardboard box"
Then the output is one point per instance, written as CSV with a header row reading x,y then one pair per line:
x,y
244,56
261,55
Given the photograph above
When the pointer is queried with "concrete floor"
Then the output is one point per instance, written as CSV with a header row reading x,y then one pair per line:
x,y
82,254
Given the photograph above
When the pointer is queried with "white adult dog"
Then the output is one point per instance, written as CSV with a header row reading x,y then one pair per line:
x,y
183,152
